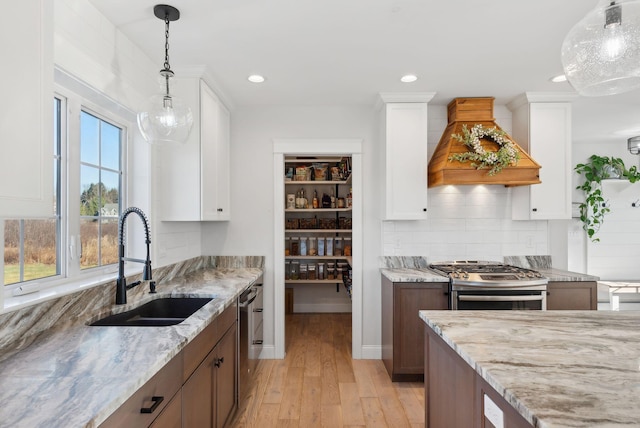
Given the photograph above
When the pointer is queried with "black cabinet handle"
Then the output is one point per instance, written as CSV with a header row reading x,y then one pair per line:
x,y
258,310
156,402
535,210
218,362
424,210
219,210
257,342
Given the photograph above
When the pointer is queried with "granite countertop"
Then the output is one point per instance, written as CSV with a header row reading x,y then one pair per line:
x,y
78,375
556,368
416,269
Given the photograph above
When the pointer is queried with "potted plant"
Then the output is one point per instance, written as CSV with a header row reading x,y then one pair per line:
x,y
598,168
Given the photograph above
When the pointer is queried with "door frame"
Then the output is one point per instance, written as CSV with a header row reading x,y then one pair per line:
x,y
320,147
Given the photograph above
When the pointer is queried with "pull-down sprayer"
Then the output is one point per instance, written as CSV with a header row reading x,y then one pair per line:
x,y
121,282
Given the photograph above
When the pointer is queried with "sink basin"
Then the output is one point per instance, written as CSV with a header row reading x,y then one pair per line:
x,y
156,313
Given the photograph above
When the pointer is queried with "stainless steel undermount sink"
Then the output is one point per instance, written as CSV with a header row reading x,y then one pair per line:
x,y
156,313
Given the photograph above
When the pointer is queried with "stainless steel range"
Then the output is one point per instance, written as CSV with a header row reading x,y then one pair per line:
x,y
493,285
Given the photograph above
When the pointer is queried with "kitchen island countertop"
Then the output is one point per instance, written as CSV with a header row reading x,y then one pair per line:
x,y
556,368
78,375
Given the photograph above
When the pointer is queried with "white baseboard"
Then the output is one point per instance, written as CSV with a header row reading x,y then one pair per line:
x,y
371,352
321,308
268,352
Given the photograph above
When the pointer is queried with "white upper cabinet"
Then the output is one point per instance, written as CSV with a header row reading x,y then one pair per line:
x,y
404,135
195,176
542,126
26,113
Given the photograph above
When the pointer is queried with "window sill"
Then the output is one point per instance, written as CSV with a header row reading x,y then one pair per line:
x,y
63,288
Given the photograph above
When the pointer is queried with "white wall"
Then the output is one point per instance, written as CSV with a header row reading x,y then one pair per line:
x,y
88,47
616,255
251,229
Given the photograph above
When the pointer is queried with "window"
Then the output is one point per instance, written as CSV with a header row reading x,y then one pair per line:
x,y
32,246
82,232
100,144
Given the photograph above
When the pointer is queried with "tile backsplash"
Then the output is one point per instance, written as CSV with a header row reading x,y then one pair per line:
x,y
466,222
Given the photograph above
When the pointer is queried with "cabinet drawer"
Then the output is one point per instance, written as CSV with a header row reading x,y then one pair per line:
x,y
163,384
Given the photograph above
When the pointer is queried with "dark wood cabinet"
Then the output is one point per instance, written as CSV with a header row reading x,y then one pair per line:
x,y
456,396
198,387
402,329
572,295
210,393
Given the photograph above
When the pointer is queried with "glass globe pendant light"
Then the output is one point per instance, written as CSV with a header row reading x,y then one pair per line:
x,y
601,53
167,119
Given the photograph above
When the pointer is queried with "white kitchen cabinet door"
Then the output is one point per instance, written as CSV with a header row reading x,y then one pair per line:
x,y
405,140
26,114
195,176
544,130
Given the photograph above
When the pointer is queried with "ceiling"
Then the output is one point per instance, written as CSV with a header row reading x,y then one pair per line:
x,y
344,52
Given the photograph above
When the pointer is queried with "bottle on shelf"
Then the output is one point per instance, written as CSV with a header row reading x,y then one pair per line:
x,y
333,199
315,202
349,198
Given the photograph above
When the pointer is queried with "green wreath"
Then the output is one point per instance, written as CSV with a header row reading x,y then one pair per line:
x,y
480,158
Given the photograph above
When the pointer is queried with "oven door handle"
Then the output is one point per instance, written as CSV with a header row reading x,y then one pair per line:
x,y
494,298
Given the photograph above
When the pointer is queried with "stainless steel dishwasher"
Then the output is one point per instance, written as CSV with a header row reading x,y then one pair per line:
x,y
250,343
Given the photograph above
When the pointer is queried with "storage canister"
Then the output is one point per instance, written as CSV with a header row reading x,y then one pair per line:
x,y
295,270
347,247
329,246
311,274
295,246
287,246
312,249
321,246
303,271
303,246
320,271
337,246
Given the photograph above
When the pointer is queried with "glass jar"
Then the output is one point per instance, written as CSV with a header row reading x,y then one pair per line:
x,y
321,246
337,246
311,272
347,247
303,246
320,271
313,247
287,270
295,246
287,246
295,270
303,271
329,246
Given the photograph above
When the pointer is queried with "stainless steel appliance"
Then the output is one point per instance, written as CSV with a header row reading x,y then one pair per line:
x,y
493,285
250,307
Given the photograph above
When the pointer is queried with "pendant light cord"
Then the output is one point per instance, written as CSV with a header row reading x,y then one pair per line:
x,y
166,43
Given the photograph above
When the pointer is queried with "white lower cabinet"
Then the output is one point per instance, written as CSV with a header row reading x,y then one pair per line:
x,y
195,177
543,129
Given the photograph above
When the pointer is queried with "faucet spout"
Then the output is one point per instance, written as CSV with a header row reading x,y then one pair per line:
x,y
121,282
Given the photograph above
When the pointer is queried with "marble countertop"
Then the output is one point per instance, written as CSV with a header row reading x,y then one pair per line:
x,y
78,375
427,275
556,368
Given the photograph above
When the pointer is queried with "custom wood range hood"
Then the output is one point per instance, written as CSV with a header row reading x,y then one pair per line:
x,y
469,112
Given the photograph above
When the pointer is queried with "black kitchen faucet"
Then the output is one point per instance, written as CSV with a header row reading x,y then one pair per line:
x,y
121,282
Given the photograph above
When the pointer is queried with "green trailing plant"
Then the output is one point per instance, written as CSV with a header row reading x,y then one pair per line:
x,y
594,207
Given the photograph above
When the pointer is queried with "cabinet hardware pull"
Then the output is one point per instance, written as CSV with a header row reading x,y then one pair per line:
x,y
156,402
424,210
219,210
258,310
535,210
218,362
257,342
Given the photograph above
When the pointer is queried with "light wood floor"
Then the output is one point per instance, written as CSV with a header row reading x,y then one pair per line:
x,y
319,385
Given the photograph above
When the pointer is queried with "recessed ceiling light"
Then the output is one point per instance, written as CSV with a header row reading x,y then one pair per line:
x,y
255,78
559,78
408,78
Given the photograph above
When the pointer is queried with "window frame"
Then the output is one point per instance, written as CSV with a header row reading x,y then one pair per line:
x,y
74,98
